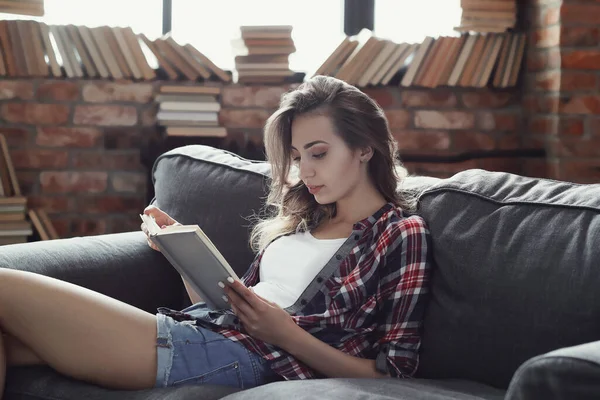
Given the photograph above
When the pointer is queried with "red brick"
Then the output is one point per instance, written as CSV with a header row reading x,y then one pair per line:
x,y
534,141
444,119
129,182
488,99
580,14
87,227
110,204
548,81
543,104
572,127
576,80
424,140
75,182
440,98
256,118
39,158
543,125
105,115
148,115
581,59
54,136
488,120
542,59
104,92
253,96
58,90
51,204
100,160
579,36
580,171
535,168
22,90
125,223
580,104
575,147
508,141
399,118
546,37
510,165
384,96
15,137
35,114
28,181
472,140
129,138
442,170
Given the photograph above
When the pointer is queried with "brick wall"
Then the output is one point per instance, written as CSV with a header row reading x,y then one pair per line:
x,y
76,144
561,103
76,148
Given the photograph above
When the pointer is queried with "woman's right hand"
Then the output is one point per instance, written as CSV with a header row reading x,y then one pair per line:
x,y
162,219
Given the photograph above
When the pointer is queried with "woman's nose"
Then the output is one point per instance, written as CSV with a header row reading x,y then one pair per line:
x,y
306,170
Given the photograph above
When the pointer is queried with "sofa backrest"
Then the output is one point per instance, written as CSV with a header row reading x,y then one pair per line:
x,y
517,272
215,189
516,258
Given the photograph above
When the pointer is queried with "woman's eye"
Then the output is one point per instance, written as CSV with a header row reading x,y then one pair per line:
x,y
296,159
320,155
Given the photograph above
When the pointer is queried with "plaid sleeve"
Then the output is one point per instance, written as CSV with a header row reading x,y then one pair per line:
x,y
402,296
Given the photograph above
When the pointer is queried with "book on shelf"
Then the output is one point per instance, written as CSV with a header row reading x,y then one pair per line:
x,y
35,49
466,60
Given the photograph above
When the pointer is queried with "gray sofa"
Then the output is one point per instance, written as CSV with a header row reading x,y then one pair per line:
x,y
515,306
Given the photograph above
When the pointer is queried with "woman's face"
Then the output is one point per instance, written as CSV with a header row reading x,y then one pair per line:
x,y
327,166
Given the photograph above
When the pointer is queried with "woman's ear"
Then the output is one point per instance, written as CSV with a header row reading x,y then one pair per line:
x,y
365,154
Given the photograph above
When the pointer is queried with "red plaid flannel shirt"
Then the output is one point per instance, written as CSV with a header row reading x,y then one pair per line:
x,y
368,301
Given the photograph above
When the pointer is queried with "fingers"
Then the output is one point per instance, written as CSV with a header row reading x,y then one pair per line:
x,y
246,294
238,304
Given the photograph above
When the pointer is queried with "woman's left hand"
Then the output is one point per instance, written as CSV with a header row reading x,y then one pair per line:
x,y
261,318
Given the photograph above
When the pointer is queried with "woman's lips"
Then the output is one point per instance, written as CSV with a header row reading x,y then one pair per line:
x,y
314,189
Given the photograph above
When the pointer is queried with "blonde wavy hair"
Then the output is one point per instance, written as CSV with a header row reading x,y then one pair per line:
x,y
359,121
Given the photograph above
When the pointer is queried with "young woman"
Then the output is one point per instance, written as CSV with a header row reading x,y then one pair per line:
x,y
337,289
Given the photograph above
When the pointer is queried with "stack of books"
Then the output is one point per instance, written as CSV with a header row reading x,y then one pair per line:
x,y
190,111
34,49
471,60
262,54
487,16
14,227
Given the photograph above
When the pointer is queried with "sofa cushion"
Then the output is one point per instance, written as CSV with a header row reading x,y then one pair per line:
x,y
41,383
516,273
359,389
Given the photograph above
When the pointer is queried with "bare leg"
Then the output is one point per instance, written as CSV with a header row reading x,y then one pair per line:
x,y
78,332
17,354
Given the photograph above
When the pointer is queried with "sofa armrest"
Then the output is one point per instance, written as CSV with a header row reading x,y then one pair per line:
x,y
567,373
120,265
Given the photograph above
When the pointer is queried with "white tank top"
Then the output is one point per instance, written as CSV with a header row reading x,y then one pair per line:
x,y
290,263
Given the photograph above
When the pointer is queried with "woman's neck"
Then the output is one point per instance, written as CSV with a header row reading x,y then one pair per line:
x,y
363,203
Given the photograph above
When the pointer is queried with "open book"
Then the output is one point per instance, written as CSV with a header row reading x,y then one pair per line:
x,y
194,256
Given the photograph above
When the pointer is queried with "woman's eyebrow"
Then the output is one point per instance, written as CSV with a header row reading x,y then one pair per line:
x,y
308,145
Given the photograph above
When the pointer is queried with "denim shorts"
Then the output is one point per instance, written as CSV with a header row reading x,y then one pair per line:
x,y
191,355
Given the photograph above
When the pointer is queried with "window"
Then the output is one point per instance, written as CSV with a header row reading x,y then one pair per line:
x,y
411,21
210,26
144,16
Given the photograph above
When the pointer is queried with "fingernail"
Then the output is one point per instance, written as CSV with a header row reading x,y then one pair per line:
x,y
221,285
230,279
225,299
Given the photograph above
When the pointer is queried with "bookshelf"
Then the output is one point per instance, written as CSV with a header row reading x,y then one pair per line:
x,y
18,224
